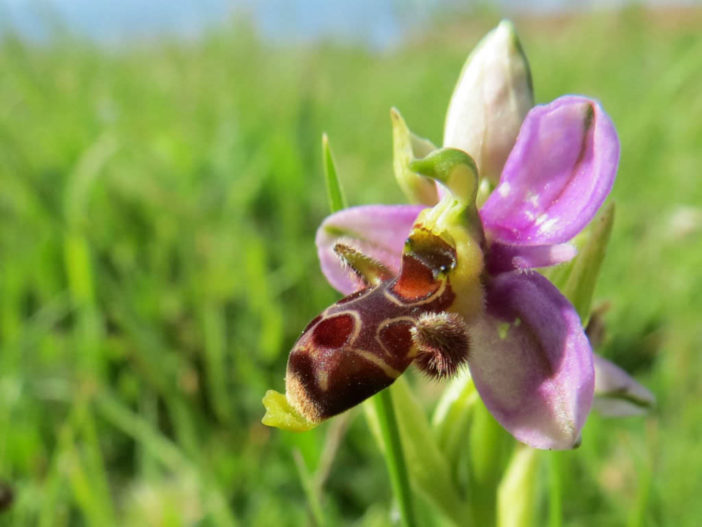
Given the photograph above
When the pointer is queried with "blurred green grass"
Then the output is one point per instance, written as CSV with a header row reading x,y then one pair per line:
x,y
157,217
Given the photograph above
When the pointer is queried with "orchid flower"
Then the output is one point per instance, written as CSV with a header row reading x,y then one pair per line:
x,y
454,283
529,356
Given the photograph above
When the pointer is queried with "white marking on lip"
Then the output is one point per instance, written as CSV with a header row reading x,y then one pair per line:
x,y
388,370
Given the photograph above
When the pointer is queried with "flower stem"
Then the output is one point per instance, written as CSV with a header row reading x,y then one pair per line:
x,y
555,490
487,446
394,456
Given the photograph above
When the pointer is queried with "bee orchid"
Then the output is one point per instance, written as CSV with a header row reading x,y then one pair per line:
x,y
528,354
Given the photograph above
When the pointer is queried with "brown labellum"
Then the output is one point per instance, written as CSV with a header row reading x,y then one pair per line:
x,y
361,344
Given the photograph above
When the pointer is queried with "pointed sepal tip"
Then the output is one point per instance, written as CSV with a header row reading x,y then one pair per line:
x,y
280,414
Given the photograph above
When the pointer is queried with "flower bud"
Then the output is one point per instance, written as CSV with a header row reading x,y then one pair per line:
x,y
491,98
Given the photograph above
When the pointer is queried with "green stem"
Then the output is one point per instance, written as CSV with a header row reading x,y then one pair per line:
x,y
488,448
555,490
394,456
516,503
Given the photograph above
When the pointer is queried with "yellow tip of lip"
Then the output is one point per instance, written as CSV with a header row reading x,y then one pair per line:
x,y
280,414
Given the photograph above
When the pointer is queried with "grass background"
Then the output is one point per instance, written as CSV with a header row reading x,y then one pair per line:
x,y
158,204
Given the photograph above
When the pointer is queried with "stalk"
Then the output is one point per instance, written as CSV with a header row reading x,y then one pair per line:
x,y
394,457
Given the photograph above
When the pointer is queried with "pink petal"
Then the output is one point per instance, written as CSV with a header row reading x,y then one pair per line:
x,y
617,394
558,174
531,361
378,231
503,258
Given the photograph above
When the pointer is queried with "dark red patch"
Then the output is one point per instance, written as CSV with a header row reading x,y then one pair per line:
x,y
311,324
426,258
351,381
416,281
396,338
333,332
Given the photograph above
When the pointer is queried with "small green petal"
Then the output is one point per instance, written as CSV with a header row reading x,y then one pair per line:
x,y
280,414
454,168
406,148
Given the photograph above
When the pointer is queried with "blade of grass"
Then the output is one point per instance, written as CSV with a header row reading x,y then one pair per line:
x,y
87,496
638,514
214,327
162,449
94,460
310,488
334,192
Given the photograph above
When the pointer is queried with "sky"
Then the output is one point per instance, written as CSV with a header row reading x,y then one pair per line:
x,y
377,22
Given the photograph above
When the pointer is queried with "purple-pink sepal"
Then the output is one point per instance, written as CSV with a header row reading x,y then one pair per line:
x,y
531,362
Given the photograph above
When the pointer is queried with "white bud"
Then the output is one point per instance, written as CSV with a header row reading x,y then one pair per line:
x,y
491,98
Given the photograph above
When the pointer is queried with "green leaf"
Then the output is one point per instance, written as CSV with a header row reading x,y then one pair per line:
x,y
428,467
451,420
580,283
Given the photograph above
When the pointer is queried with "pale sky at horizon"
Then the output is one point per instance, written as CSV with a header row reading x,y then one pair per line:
x,y
377,22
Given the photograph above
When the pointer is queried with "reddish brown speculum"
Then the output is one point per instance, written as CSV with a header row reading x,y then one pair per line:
x,y
361,344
